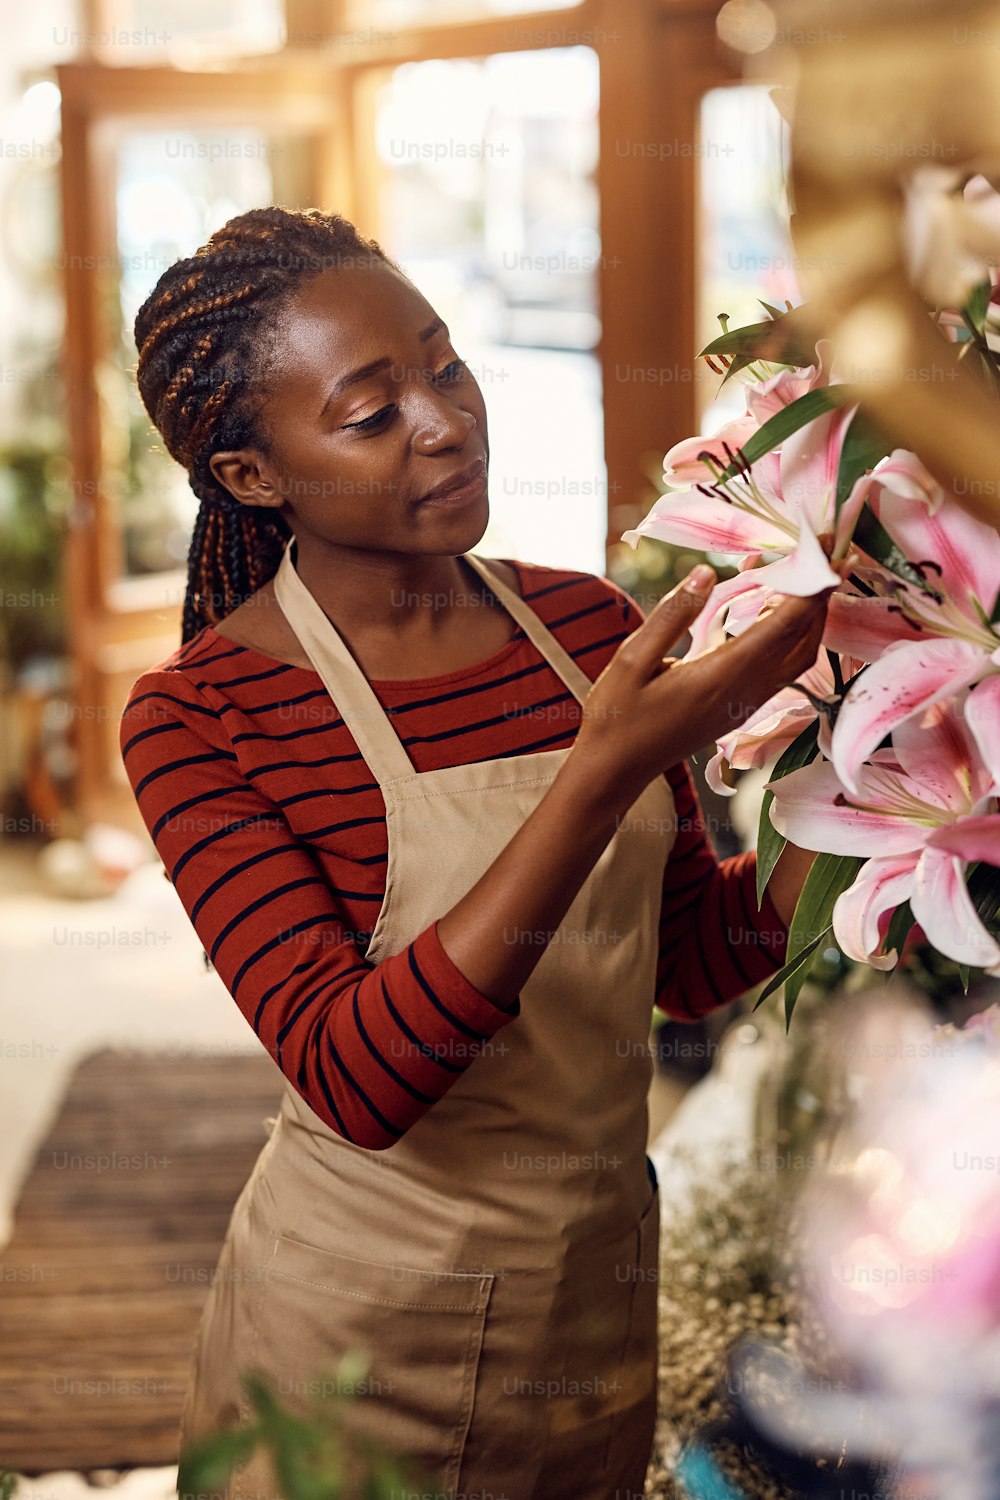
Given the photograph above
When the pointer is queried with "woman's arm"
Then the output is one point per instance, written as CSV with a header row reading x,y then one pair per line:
x,y
368,1047
787,879
714,942
643,712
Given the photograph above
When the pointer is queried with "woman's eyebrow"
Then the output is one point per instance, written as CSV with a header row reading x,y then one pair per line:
x,y
375,365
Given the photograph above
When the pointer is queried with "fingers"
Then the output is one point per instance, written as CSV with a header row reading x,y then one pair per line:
x,y
791,629
667,622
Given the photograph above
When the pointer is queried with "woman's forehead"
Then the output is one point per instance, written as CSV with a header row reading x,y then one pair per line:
x,y
356,311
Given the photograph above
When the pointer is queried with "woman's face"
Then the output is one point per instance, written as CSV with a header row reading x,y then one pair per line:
x,y
352,449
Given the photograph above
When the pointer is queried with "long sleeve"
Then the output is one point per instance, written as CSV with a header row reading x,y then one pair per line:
x,y
714,943
369,1047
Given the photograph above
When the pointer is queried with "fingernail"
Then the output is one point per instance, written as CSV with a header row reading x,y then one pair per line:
x,y
699,578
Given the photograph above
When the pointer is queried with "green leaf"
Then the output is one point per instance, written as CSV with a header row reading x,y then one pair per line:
x,y
984,890
796,980
789,419
811,920
770,842
208,1464
783,339
863,446
791,967
831,874
975,307
963,974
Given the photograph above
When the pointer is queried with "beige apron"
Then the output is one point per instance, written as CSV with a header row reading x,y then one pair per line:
x,y
498,1264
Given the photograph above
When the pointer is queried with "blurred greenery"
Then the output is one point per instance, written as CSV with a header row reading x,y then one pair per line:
x,y
314,1457
32,544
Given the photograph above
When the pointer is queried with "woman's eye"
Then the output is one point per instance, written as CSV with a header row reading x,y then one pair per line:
x,y
454,371
377,419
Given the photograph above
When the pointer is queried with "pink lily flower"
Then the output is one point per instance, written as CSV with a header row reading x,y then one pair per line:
x,y
770,514
764,398
923,646
928,806
770,729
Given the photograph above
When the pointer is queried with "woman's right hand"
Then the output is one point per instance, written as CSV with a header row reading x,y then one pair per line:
x,y
647,711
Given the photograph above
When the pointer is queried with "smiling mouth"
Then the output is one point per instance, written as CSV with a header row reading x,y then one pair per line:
x,y
459,485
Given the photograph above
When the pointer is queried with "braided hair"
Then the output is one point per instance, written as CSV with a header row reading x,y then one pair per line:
x,y
205,336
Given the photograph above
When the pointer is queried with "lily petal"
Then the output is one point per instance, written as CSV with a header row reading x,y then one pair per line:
x,y
805,571
970,838
682,464
942,905
966,550
906,678
810,461
704,627
809,809
864,627
903,473
713,774
689,518
936,750
858,913
767,397
982,714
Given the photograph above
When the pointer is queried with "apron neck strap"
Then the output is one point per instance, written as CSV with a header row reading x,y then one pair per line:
x,y
355,699
343,679
540,636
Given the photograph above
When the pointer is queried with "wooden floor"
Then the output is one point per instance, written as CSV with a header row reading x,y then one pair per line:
x,y
116,1234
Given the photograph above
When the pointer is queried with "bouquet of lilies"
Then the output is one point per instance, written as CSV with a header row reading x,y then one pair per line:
x,y
885,755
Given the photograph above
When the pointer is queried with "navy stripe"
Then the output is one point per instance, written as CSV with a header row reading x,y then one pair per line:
x,y
276,942
324,791
145,734
396,1077
161,822
449,1017
300,765
373,1109
535,745
580,614
424,1048
564,583
707,969
246,864
328,1096
221,833
306,963
304,1004
449,734
228,682
195,708
317,833
175,765
207,661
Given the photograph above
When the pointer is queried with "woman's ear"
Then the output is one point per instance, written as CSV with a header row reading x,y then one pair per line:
x,y
242,473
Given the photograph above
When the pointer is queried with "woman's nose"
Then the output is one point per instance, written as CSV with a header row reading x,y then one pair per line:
x,y
440,423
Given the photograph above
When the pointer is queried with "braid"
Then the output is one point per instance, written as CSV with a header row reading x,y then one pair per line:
x,y
202,340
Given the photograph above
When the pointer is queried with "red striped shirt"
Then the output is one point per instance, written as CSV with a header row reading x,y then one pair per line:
x,y
232,757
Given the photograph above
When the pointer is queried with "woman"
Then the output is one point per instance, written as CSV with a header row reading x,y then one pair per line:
x,y
444,857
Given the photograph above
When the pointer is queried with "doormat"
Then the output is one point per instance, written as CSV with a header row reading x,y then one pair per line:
x,y
116,1235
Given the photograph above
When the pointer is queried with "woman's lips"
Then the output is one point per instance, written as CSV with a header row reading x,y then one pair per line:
x,y
472,488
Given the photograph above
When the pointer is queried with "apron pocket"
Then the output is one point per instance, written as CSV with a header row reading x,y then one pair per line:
x,y
421,1331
